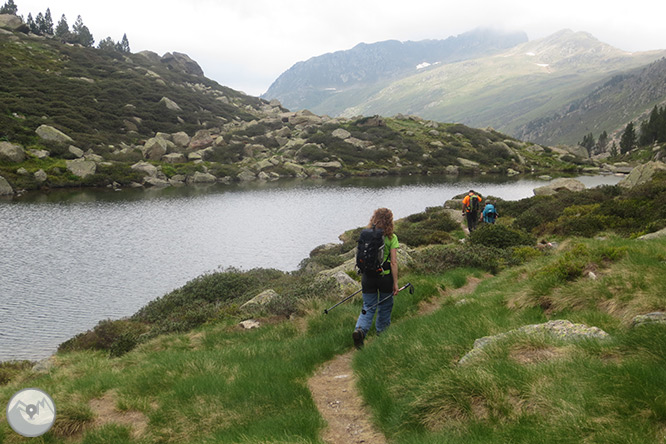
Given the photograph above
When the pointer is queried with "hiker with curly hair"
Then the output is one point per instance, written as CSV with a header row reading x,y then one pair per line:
x,y
379,284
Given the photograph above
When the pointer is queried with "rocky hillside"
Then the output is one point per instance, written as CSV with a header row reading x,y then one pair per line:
x,y
330,83
505,90
74,116
607,106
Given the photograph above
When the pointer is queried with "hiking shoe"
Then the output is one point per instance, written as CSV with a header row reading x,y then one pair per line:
x,y
358,336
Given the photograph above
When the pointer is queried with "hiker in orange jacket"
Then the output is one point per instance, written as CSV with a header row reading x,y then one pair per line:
x,y
471,205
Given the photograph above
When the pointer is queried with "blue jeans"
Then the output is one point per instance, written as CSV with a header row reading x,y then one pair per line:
x,y
383,312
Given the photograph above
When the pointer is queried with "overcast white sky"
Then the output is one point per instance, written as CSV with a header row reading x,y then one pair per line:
x,y
247,44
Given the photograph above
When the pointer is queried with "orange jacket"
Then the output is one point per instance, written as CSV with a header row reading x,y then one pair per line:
x,y
466,202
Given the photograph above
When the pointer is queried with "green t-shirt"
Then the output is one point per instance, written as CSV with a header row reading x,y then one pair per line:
x,y
389,244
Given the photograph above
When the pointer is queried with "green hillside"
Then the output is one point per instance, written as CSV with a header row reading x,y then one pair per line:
x,y
182,370
116,119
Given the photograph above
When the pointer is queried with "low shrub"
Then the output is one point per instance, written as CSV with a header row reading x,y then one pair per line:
x,y
440,258
500,236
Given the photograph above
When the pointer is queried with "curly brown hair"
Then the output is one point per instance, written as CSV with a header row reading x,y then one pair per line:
x,y
383,218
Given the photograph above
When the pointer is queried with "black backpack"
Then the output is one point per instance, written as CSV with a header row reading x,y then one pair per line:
x,y
474,204
370,252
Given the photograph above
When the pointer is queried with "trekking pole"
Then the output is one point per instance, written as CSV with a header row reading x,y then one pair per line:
x,y
411,291
345,299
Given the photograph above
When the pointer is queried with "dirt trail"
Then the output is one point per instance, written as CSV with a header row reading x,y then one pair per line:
x,y
334,391
333,388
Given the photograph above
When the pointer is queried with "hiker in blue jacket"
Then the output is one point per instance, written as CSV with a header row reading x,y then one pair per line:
x,y
489,213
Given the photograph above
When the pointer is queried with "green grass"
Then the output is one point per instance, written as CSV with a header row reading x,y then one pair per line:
x,y
528,389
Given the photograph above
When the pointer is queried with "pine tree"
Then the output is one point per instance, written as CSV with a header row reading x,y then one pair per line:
x,y
124,46
30,22
107,44
62,30
588,143
82,33
48,22
628,139
39,22
602,142
9,8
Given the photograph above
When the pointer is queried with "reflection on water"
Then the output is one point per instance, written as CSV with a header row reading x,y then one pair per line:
x,y
71,258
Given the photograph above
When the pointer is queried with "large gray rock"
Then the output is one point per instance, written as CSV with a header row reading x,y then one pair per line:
x,y
202,139
657,317
181,139
262,298
341,133
49,133
11,152
40,176
642,174
199,177
154,148
5,188
182,62
560,329
559,185
11,22
146,168
655,235
170,104
81,168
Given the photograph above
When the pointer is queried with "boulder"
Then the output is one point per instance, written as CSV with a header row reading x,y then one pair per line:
x,y
642,174
75,151
345,284
174,158
81,168
305,117
182,62
49,133
202,139
170,104
40,154
262,298
333,165
181,139
11,22
199,177
246,176
40,176
154,148
5,188
249,324
145,167
657,317
341,133
560,329
468,163
655,235
11,152
559,185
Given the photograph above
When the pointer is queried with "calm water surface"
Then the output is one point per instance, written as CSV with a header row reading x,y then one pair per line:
x,y
69,259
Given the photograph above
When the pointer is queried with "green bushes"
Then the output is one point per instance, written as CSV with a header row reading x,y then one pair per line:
x,y
500,236
432,226
440,258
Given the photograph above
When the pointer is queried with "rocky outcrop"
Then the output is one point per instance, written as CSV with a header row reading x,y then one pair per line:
x,y
558,185
49,133
11,152
5,188
13,23
181,62
560,329
642,174
170,104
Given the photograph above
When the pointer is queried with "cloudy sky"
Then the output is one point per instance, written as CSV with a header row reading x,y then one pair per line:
x,y
247,44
